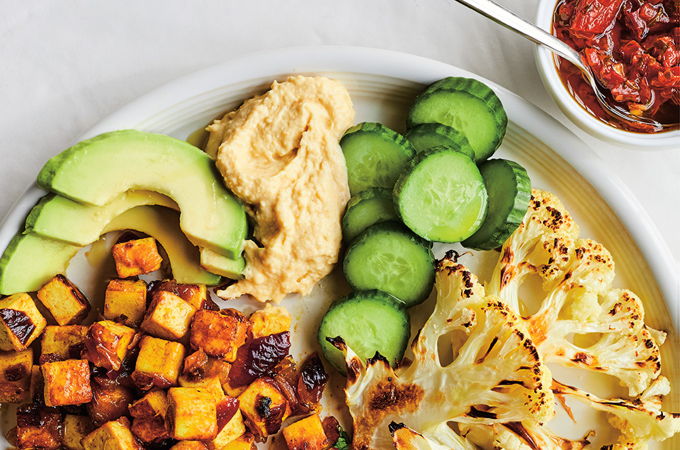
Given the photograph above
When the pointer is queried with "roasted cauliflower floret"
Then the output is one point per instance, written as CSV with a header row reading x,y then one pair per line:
x,y
578,298
441,438
496,375
527,435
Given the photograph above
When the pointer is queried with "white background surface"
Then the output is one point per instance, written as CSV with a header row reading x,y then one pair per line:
x,y
68,64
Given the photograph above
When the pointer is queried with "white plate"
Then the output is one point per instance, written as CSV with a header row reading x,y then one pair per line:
x,y
382,85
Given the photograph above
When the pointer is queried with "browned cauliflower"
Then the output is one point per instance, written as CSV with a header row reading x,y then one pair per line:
x,y
496,375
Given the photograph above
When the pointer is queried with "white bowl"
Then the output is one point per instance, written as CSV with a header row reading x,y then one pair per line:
x,y
545,61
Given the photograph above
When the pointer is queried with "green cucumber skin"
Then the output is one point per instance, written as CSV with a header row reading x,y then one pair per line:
x,y
485,239
389,136
385,211
396,228
475,89
353,300
449,136
402,184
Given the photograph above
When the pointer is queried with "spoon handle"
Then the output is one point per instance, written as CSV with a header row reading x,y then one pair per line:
x,y
506,18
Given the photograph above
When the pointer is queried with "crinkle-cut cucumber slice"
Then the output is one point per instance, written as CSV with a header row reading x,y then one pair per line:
x,y
365,209
509,189
369,322
375,156
441,196
467,105
427,135
388,257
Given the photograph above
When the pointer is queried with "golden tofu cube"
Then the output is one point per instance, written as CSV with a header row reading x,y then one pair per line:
x,y
62,342
192,414
15,376
75,429
234,429
125,301
244,442
264,407
189,445
136,257
67,382
194,294
110,400
115,435
158,363
306,434
168,316
219,333
39,427
20,322
64,301
154,403
270,320
107,344
208,384
149,414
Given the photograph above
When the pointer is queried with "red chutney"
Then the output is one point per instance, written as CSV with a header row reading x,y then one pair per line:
x,y
633,48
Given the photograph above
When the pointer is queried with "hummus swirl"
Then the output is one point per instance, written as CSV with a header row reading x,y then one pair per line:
x,y
279,154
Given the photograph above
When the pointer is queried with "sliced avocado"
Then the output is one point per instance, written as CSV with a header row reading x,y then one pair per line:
x,y
59,218
221,265
97,170
31,260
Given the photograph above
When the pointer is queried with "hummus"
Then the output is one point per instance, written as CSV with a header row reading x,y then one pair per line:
x,y
279,154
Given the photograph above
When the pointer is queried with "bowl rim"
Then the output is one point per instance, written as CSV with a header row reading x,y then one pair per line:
x,y
572,109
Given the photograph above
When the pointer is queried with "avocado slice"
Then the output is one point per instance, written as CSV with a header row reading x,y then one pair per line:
x,y
97,170
221,265
59,218
31,260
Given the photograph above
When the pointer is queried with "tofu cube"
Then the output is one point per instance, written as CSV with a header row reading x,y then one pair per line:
x,y
75,429
168,316
136,257
192,414
158,363
107,343
64,301
62,342
189,445
115,435
306,434
270,320
234,429
149,413
15,376
20,322
67,382
194,294
264,406
244,442
110,400
219,333
39,427
210,384
125,301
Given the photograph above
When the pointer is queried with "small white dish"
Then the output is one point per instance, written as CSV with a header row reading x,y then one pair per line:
x,y
545,62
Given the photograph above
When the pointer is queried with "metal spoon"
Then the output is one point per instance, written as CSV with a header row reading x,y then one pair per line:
x,y
506,18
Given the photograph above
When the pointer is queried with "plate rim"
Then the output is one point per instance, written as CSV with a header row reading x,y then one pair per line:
x,y
301,59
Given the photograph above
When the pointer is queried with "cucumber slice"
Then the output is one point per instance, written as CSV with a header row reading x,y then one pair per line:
x,y
428,135
467,105
375,156
390,258
509,189
365,209
368,322
441,197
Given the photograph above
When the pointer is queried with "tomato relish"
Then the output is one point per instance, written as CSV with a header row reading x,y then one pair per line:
x,y
633,48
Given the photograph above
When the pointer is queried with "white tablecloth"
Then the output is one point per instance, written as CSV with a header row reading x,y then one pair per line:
x,y
67,64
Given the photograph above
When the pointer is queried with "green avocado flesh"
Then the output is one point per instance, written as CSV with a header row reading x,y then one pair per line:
x,y
31,260
98,170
